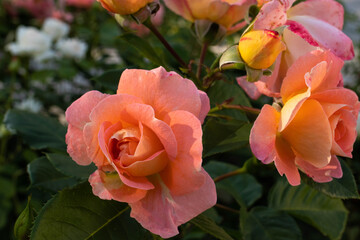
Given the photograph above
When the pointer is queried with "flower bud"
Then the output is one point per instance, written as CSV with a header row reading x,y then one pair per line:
x,y
124,7
259,49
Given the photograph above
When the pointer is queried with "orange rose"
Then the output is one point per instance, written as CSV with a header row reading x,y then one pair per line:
x,y
124,7
227,13
147,144
316,123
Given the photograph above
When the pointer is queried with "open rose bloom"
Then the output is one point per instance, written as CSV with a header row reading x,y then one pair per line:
x,y
311,25
146,141
316,123
228,13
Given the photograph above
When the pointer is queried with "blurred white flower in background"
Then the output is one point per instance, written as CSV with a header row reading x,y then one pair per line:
x,y
30,104
71,48
55,28
30,42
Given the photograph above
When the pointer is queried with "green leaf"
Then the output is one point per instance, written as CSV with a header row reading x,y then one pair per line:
x,y
243,187
144,48
76,213
222,91
44,175
7,192
24,222
231,59
222,136
343,188
231,93
109,79
209,226
269,224
328,215
37,130
64,164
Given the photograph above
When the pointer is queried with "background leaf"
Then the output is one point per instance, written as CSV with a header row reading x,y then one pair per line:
x,y
37,130
243,187
230,92
210,227
144,48
64,164
76,213
263,223
222,136
44,175
326,214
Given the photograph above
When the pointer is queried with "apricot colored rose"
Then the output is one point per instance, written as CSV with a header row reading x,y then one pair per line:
x,y
260,48
146,141
316,123
124,7
228,13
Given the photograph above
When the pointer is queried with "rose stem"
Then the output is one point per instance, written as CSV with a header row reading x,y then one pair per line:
x,y
202,58
230,174
227,208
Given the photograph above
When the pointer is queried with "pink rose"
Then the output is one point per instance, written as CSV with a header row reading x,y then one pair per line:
x,y
146,141
316,123
227,13
80,3
311,24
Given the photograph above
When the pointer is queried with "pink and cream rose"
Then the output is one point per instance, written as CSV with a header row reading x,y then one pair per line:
x,y
311,24
146,141
316,123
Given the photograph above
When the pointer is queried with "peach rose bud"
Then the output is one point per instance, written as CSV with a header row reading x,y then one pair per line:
x,y
124,7
259,49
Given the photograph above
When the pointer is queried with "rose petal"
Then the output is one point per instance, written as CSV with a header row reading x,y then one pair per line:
x,y
170,211
271,15
145,114
329,11
205,106
249,87
310,127
344,125
164,91
263,134
109,186
78,112
76,146
294,82
154,164
324,174
327,36
109,110
285,161
182,174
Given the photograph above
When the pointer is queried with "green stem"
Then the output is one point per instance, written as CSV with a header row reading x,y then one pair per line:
x,y
238,107
230,174
154,30
108,221
165,43
202,58
227,208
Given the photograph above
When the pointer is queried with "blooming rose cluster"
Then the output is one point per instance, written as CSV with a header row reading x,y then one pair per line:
x,y
309,25
146,141
314,119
